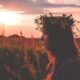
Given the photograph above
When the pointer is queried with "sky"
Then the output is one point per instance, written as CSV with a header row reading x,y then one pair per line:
x,y
30,9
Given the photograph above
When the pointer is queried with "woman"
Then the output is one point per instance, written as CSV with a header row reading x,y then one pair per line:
x,y
58,39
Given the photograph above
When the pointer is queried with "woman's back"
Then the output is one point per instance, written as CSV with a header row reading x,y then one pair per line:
x,y
68,70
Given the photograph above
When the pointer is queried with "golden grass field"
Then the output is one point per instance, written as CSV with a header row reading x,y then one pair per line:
x,y
18,53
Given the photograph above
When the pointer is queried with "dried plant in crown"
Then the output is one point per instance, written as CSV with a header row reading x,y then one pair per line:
x,y
47,22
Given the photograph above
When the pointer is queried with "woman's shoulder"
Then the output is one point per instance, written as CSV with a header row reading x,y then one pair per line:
x,y
68,70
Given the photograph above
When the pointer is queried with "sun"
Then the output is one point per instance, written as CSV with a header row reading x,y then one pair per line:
x,y
9,18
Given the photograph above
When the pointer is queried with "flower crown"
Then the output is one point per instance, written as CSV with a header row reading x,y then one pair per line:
x,y
48,22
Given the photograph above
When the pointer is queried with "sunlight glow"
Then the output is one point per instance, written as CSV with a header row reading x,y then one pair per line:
x,y
9,18
51,1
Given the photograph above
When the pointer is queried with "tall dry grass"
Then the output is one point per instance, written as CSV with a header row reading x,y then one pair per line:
x,y
24,59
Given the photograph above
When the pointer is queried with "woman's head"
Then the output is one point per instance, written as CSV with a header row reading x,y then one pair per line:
x,y
60,42
57,34
55,38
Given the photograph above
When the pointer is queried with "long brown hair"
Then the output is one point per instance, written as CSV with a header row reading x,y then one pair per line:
x,y
60,37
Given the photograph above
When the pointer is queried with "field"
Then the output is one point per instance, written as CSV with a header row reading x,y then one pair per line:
x,y
25,58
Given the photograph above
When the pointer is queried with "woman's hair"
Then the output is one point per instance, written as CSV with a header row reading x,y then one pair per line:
x,y
61,43
60,37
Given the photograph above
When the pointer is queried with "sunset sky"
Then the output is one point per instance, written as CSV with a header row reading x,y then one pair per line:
x,y
19,15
